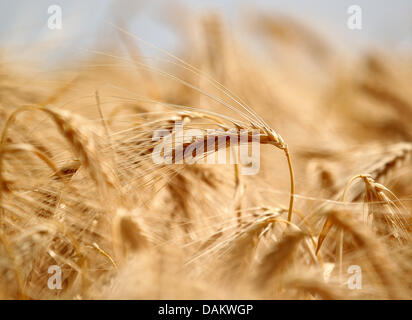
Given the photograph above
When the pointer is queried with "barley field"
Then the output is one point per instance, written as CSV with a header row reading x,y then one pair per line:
x,y
327,215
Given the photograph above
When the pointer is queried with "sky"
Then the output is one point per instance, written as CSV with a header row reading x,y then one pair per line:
x,y
23,23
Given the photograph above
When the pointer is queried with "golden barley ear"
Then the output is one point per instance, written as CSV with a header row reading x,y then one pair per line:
x,y
278,258
128,237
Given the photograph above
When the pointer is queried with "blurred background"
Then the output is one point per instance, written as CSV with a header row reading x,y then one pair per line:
x,y
23,24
